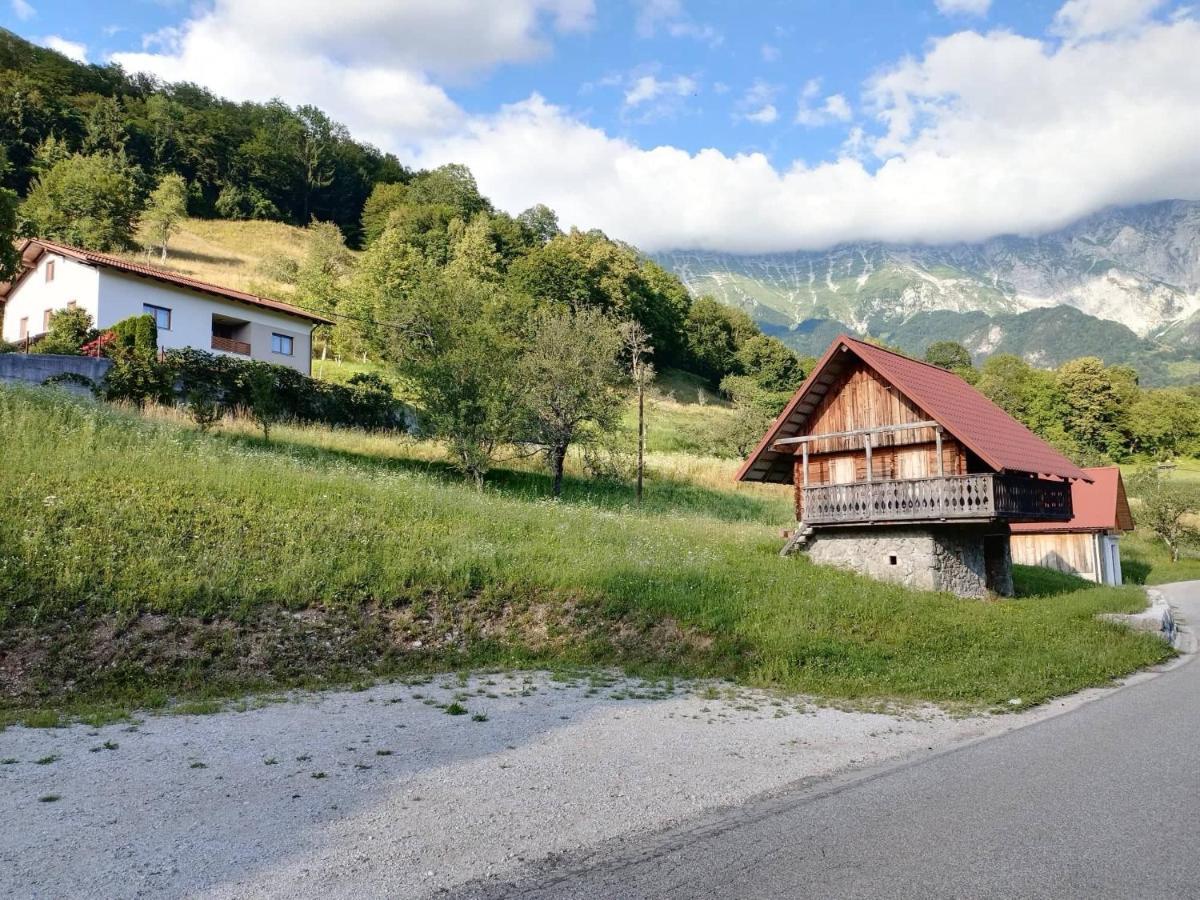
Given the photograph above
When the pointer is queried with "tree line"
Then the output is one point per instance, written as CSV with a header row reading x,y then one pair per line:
x,y
1093,412
238,160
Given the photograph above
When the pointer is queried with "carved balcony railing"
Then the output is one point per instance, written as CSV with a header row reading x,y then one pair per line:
x,y
985,496
229,345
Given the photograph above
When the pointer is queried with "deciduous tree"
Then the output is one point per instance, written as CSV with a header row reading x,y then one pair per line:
x,y
165,211
569,378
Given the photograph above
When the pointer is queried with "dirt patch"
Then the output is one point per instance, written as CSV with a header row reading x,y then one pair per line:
x,y
281,647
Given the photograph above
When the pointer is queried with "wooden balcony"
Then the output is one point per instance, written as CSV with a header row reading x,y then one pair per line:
x,y
229,345
958,497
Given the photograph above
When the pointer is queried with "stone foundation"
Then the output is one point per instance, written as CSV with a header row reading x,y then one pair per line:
x,y
967,560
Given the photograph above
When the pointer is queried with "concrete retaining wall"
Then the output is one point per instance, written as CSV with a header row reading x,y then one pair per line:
x,y
35,368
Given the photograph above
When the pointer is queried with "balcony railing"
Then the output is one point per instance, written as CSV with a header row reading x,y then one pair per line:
x,y
985,496
229,345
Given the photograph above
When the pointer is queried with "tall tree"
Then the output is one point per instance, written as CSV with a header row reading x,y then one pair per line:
x,y
90,201
166,209
541,221
570,376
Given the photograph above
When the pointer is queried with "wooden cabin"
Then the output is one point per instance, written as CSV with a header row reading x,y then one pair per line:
x,y
904,471
1089,544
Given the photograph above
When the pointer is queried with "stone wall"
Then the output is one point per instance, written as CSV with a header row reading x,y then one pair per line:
x,y
935,558
35,368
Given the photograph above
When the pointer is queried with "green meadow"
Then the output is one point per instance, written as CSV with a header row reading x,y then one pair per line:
x,y
143,561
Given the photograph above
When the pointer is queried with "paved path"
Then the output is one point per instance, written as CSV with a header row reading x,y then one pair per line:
x,y
1103,801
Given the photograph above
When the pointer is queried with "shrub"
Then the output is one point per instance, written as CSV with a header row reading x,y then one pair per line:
x,y
366,402
69,330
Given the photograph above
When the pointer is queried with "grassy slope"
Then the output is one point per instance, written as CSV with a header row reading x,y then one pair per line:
x,y
228,253
157,559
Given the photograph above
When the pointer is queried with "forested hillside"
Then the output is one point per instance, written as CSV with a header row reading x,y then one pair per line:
x,y
239,160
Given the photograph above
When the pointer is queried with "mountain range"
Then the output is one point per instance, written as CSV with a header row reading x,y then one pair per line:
x,y
1122,284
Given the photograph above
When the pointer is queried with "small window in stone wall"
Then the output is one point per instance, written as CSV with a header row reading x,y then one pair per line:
x,y
893,560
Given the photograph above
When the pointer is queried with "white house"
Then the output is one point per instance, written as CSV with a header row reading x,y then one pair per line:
x,y
189,313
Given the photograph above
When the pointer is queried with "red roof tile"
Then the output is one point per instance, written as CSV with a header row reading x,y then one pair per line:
x,y
1099,506
992,434
115,262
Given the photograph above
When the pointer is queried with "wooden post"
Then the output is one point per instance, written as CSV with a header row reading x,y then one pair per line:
x,y
941,491
937,432
867,447
804,462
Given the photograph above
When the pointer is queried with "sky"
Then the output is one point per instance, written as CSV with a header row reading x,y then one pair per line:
x,y
739,127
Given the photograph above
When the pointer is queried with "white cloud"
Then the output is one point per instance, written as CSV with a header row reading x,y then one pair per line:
x,y
1089,18
769,52
369,65
670,17
985,134
70,49
963,7
22,10
834,108
647,88
758,104
982,134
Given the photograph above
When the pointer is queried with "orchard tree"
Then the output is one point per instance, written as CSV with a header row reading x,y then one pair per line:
x,y
638,349
166,209
448,345
570,377
1168,509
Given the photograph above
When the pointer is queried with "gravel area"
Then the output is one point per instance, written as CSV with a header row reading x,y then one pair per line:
x,y
386,793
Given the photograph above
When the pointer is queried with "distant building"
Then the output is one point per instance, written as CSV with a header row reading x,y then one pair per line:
x,y
1089,544
189,313
904,472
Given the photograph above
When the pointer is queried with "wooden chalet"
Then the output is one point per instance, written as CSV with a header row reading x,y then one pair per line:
x,y
874,440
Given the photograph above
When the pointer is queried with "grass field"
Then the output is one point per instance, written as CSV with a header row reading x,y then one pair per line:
x,y
144,560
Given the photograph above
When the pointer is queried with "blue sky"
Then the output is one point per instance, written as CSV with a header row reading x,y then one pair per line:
x,y
768,125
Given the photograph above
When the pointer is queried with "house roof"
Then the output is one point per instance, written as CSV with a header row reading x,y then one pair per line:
x,y
31,249
1098,506
988,431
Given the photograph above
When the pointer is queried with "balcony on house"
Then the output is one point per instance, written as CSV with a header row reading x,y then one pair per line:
x,y
229,335
912,472
984,496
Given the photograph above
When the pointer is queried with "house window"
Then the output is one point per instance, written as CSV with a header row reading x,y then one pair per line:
x,y
46,317
49,271
24,327
282,344
162,316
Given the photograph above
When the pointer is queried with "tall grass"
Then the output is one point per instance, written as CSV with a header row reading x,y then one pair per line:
x,y
107,515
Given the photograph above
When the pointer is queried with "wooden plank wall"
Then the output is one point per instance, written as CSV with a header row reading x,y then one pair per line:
x,y
1073,553
862,399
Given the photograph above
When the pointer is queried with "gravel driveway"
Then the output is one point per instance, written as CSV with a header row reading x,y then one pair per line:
x,y
386,793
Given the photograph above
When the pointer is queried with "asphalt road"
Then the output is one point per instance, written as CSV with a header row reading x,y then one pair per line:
x,y
1102,801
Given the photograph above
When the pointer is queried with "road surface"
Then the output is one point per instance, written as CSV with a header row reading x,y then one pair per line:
x,y
1102,801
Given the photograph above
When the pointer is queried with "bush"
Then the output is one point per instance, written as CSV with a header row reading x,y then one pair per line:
x,y
69,330
366,402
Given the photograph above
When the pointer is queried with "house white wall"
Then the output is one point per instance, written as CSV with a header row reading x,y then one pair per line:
x,y
73,281
110,295
123,295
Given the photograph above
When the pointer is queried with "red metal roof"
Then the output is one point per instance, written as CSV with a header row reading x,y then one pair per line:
x,y
992,434
1099,506
32,248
